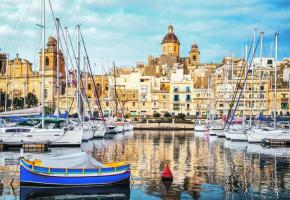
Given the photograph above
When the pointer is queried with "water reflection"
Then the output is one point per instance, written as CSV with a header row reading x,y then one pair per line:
x,y
120,192
204,167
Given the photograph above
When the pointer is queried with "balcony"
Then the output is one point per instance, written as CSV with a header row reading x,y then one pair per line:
x,y
283,99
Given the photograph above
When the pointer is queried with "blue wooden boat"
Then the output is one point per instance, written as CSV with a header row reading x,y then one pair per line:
x,y
74,170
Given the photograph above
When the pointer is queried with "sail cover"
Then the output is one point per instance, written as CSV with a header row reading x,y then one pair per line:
x,y
77,160
22,112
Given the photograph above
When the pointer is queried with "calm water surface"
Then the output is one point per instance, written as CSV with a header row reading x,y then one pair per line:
x,y
204,167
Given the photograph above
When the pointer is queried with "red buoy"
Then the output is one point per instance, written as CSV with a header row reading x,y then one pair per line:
x,y
166,174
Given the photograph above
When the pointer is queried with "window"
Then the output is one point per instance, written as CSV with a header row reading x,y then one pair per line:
x,y
187,106
133,104
89,86
164,96
45,93
143,104
107,104
46,61
187,97
174,48
284,106
175,89
134,96
187,88
221,105
175,106
176,97
194,58
262,87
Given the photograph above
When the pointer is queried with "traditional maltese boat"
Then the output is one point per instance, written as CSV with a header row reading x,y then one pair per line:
x,y
72,170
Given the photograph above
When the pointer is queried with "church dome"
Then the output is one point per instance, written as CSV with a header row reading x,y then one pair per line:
x,y
170,37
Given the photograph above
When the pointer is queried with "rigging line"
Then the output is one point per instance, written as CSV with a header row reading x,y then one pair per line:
x,y
55,23
95,88
251,64
237,88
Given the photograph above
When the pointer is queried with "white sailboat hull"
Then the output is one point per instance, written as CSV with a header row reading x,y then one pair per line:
x,y
55,137
220,133
119,128
257,135
100,131
128,127
199,128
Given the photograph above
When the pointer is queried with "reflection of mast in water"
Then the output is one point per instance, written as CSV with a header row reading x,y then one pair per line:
x,y
210,164
226,178
275,179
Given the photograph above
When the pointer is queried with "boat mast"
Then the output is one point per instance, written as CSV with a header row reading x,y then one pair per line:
x,y
245,85
43,60
6,81
78,73
115,89
260,83
66,71
252,78
275,92
12,86
57,67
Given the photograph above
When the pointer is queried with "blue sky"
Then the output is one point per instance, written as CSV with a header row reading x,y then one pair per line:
x,y
127,31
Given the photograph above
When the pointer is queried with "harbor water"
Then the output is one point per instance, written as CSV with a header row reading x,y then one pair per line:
x,y
203,166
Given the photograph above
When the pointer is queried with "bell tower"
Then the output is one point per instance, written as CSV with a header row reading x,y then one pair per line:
x,y
194,54
51,58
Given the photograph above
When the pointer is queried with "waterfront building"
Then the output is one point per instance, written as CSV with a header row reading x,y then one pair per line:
x,y
166,83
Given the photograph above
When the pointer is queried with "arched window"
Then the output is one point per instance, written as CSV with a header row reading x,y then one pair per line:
x,y
46,61
174,48
194,58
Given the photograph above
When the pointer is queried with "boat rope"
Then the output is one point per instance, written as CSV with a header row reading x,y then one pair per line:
x,y
244,83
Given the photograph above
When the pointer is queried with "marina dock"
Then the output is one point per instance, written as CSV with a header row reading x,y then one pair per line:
x,y
163,126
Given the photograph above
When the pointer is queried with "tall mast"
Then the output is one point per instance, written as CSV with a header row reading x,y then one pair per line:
x,y
43,60
57,68
252,76
66,71
276,59
260,76
245,85
6,81
115,89
78,71
12,86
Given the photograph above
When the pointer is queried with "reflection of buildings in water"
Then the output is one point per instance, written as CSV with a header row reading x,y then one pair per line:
x,y
194,162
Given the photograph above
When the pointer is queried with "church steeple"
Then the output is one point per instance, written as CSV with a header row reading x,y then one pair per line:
x,y
170,43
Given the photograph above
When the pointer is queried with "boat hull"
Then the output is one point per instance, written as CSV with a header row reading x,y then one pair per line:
x,y
28,177
37,175
54,137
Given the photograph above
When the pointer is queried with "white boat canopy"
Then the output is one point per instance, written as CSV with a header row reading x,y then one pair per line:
x,y
77,160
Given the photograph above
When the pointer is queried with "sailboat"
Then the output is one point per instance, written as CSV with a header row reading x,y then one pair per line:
x,y
273,133
42,130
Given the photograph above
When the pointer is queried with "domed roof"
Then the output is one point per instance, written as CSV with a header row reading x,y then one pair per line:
x,y
194,48
170,37
51,41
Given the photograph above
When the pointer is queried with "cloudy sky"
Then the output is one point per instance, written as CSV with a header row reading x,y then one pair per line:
x,y
127,31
